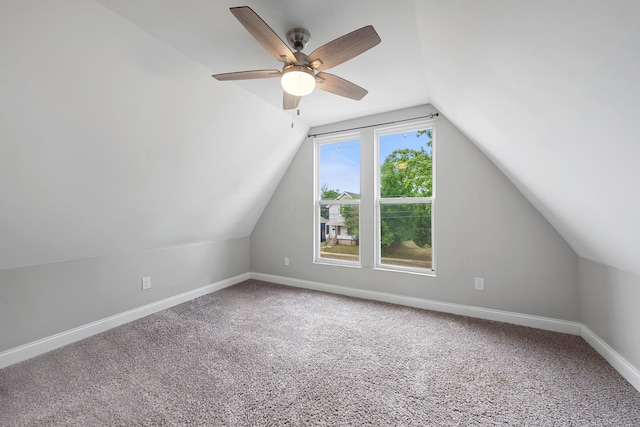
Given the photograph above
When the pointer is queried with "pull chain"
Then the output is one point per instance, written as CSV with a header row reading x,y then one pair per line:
x,y
298,113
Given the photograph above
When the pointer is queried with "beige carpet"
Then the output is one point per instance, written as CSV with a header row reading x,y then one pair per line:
x,y
264,354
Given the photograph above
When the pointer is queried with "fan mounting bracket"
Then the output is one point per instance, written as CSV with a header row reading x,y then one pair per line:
x,y
298,38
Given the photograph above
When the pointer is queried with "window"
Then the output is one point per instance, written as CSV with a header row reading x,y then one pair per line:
x,y
337,207
404,198
389,213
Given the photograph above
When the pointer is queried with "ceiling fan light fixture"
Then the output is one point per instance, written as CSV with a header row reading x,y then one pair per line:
x,y
298,80
301,72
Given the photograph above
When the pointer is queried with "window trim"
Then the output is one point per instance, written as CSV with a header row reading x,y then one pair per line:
x,y
378,201
317,202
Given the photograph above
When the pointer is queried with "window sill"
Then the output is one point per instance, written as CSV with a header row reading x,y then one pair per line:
x,y
430,273
337,263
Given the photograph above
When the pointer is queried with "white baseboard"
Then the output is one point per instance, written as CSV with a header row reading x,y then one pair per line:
x,y
41,346
27,351
619,363
537,322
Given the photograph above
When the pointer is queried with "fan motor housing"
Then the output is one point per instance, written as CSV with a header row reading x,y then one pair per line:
x,y
298,38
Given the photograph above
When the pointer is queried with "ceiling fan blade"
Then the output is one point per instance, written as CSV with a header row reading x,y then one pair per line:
x,y
248,75
289,102
343,48
264,34
339,86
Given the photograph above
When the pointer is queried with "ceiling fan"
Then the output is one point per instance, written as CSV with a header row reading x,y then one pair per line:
x,y
302,73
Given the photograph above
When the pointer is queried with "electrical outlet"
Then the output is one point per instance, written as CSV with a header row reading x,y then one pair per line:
x,y
479,283
286,260
146,283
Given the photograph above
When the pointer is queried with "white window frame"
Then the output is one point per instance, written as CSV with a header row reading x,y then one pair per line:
x,y
319,141
378,201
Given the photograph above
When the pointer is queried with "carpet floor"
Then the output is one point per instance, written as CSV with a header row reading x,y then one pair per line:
x,y
264,354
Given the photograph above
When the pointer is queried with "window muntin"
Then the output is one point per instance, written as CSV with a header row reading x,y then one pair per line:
x,y
337,208
404,202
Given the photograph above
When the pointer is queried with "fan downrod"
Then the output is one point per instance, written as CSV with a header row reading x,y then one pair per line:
x,y
298,38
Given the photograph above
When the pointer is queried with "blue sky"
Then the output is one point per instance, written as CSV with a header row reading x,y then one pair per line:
x,y
340,162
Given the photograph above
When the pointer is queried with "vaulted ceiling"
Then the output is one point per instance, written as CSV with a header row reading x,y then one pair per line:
x,y
548,90
206,31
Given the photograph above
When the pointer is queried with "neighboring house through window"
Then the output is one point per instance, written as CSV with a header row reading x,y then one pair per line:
x,y
337,199
341,231
399,204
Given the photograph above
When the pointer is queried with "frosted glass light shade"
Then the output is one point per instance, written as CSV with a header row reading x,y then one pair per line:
x,y
298,80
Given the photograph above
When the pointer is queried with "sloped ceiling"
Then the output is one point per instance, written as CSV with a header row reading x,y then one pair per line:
x,y
549,91
206,31
113,142
546,89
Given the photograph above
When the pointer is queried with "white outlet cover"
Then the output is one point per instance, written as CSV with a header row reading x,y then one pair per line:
x,y
146,283
479,283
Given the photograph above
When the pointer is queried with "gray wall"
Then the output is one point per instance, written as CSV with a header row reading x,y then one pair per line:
x,y
43,300
484,228
113,145
609,301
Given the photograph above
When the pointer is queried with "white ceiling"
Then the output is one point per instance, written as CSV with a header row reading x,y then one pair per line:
x,y
206,31
548,90
113,142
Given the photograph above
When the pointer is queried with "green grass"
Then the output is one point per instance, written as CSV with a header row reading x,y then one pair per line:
x,y
408,254
343,249
408,250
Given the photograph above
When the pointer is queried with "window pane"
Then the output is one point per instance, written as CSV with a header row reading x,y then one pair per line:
x,y
339,180
340,233
406,164
405,235
339,169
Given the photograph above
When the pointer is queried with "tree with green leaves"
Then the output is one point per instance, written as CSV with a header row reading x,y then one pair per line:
x,y
406,173
328,194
